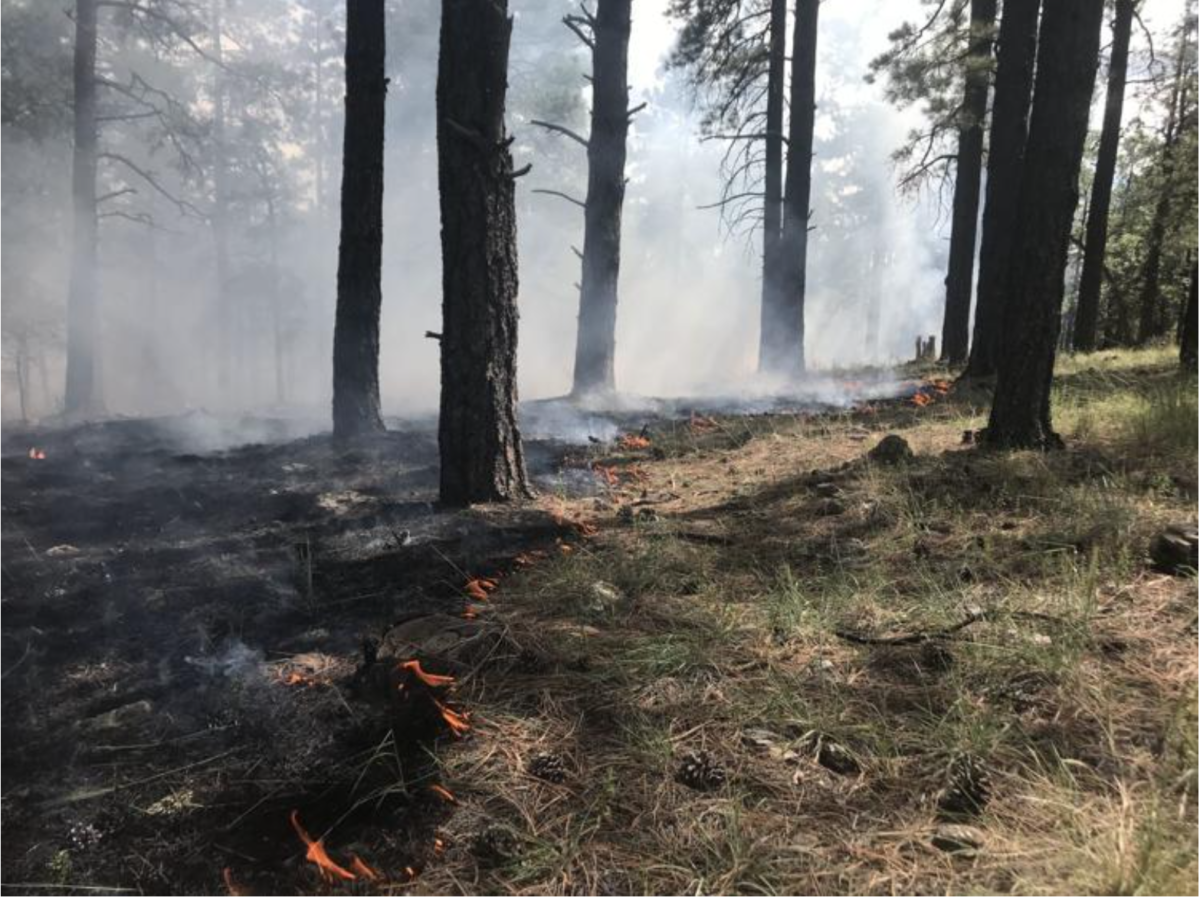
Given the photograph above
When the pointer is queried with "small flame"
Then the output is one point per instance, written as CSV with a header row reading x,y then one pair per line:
x,y
318,855
443,792
608,473
702,423
360,867
36,453
414,667
564,547
456,721
469,612
634,442
439,846
479,589
530,558
232,887
410,872
921,400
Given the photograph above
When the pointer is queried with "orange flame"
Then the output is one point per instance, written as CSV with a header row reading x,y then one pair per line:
x,y
233,888
414,666
456,721
608,473
36,453
469,612
439,846
702,423
410,872
634,442
442,792
921,400
479,589
318,855
360,867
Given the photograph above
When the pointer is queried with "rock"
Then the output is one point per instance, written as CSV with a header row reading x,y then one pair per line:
x,y
827,489
830,507
1174,549
62,550
954,838
890,451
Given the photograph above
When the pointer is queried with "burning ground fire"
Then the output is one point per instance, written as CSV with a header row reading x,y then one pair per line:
x,y
329,868
931,391
36,453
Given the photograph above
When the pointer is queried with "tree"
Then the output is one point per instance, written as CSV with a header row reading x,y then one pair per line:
x,y
1181,119
968,168
1068,45
1006,149
360,253
783,344
1087,315
606,34
83,396
1187,326
774,313
482,458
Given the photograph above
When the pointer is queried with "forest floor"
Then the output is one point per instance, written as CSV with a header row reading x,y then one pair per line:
x,y
722,654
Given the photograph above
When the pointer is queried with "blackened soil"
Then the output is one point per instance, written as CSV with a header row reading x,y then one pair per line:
x,y
150,593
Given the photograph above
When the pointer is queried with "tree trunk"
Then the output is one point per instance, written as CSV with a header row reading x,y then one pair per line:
x,y
1066,71
276,302
478,438
788,331
1088,314
1006,148
82,397
965,215
1187,327
772,355
226,332
360,252
595,346
1149,302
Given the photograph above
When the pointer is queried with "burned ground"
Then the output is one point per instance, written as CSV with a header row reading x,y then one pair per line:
x,y
723,653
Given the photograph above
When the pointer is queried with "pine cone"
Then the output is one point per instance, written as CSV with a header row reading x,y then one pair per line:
x,y
699,771
968,787
550,767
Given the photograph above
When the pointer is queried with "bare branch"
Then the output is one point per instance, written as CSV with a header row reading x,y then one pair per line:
x,y
567,197
562,130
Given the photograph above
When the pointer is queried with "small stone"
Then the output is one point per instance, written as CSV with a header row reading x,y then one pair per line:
x,y
954,838
827,489
62,550
1174,550
890,451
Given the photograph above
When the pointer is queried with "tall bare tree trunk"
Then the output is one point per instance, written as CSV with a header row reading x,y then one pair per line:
x,y
965,215
595,347
789,343
226,332
1066,71
360,252
480,444
1095,242
772,356
83,395
276,303
1006,149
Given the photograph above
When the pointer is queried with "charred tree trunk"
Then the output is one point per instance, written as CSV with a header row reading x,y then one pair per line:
x,y
788,338
1187,327
83,394
595,347
956,333
276,302
480,443
360,253
1006,149
1066,71
1088,314
772,355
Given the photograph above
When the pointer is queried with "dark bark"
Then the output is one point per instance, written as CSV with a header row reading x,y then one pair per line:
x,y
1087,316
1187,327
480,443
772,358
787,334
1006,149
1066,71
595,347
360,253
82,395
968,169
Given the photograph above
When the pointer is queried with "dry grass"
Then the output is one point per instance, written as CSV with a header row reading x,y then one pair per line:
x,y
717,613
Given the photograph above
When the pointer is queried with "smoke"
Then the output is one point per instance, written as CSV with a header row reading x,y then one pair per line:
x,y
688,319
